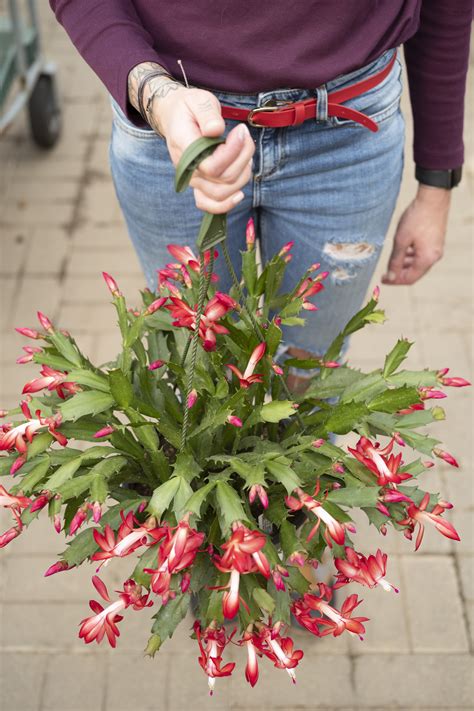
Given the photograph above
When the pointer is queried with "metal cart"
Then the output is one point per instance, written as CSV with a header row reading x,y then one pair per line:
x,y
21,59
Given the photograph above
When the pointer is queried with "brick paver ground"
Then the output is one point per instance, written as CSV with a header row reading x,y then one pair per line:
x,y
60,227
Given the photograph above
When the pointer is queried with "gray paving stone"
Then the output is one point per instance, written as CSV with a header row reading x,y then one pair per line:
x,y
74,683
466,569
135,681
422,681
20,681
431,593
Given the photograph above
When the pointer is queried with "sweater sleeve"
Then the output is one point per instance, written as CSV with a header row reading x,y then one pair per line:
x,y
112,40
437,58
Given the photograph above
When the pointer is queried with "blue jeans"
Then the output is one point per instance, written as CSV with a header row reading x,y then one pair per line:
x,y
329,184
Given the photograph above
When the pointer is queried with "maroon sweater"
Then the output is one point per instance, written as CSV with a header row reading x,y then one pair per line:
x,y
247,47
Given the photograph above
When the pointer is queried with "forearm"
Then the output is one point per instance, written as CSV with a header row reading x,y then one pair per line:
x,y
147,83
110,37
437,61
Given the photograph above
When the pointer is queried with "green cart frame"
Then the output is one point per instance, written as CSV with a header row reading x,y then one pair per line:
x,y
21,62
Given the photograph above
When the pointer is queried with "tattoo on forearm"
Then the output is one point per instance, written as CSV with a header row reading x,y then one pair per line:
x,y
136,75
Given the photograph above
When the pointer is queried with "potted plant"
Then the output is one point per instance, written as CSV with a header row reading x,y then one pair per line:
x,y
189,455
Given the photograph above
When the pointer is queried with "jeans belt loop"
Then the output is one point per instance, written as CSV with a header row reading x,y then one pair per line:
x,y
322,104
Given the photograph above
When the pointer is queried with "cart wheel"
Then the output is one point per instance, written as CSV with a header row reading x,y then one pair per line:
x,y
44,112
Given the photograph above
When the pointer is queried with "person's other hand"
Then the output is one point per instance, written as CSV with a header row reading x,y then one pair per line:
x,y
419,239
183,115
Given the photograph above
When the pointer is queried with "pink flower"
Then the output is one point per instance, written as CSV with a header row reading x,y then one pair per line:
x,y
111,284
385,468
258,490
420,516
9,535
156,364
366,571
30,354
58,567
53,380
78,519
248,377
251,668
310,287
41,501
192,397
286,248
235,421
451,382
334,529
128,538
278,573
250,234
277,369
29,333
104,432
155,305
212,642
446,456
45,322
104,622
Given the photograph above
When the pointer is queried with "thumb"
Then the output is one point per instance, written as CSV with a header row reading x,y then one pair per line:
x,y
206,112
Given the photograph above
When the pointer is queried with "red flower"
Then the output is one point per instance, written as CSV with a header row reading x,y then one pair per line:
x,y
216,308
14,503
128,538
279,649
334,529
17,437
53,380
333,621
366,571
419,515
376,460
212,642
248,377
175,553
104,622
243,554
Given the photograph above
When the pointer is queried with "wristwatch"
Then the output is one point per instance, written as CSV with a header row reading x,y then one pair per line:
x,y
447,179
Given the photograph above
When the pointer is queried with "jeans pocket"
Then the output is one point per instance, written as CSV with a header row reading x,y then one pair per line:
x,y
379,103
123,124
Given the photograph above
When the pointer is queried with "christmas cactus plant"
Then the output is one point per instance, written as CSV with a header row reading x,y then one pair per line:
x,y
190,456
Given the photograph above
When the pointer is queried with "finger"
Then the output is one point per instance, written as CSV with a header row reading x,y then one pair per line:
x,y
206,111
221,191
235,169
203,202
214,165
395,263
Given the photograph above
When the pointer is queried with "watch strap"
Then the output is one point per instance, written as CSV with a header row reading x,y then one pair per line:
x,y
447,179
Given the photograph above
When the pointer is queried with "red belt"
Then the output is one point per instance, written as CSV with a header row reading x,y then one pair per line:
x,y
276,114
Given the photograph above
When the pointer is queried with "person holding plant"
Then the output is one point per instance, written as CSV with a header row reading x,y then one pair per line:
x,y
307,98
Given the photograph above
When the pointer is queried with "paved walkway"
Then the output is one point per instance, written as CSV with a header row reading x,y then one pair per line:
x,y
60,227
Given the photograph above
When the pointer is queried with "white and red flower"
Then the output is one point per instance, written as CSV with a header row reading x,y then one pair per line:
x,y
104,622
280,650
52,380
248,376
175,553
130,536
217,307
380,461
355,567
242,554
212,641
333,529
19,436
419,516
258,491
331,620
